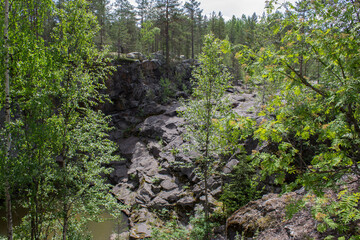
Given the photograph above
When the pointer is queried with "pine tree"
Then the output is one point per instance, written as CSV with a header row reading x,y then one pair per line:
x,y
192,7
124,30
145,10
168,11
101,10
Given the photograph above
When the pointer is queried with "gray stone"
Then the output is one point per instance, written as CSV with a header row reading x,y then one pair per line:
x,y
212,201
155,189
269,215
136,55
127,146
142,199
168,184
146,190
154,148
119,174
158,202
186,201
216,192
152,109
230,166
141,222
198,189
121,236
142,162
171,196
124,193
141,231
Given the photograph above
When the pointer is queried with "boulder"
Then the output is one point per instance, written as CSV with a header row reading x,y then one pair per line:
x,y
158,56
141,222
154,148
127,146
158,203
160,127
172,196
168,184
146,190
230,166
267,218
187,201
121,236
142,163
150,66
153,127
151,109
119,174
136,55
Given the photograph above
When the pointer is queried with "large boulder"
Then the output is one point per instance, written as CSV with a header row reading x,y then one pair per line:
x,y
136,55
266,217
141,222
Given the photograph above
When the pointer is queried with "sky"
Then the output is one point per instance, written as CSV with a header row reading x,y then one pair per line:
x,y
229,8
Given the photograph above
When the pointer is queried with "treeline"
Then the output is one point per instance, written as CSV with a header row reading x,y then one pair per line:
x,y
166,25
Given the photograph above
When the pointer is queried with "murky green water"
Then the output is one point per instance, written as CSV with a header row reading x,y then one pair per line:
x,y
100,231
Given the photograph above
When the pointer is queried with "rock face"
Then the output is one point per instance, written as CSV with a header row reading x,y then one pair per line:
x,y
149,136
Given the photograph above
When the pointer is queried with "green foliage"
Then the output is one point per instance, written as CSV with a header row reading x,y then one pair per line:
x,y
208,104
312,127
205,111
201,227
242,187
339,215
147,35
167,89
172,230
60,143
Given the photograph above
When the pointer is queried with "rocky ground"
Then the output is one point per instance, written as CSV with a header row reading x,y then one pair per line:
x,y
149,177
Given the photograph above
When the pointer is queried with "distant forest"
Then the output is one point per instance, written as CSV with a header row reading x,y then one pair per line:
x,y
159,25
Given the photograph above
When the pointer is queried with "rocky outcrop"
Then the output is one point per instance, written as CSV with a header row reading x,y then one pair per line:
x,y
265,219
265,215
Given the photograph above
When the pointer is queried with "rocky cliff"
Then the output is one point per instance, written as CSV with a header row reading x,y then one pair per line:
x,y
149,136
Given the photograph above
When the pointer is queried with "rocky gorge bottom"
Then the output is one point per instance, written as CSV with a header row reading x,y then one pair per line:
x,y
149,177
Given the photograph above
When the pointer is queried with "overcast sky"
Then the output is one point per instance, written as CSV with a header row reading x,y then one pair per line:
x,y
231,7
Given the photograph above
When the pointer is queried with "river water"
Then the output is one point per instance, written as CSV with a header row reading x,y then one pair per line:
x,y
100,231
